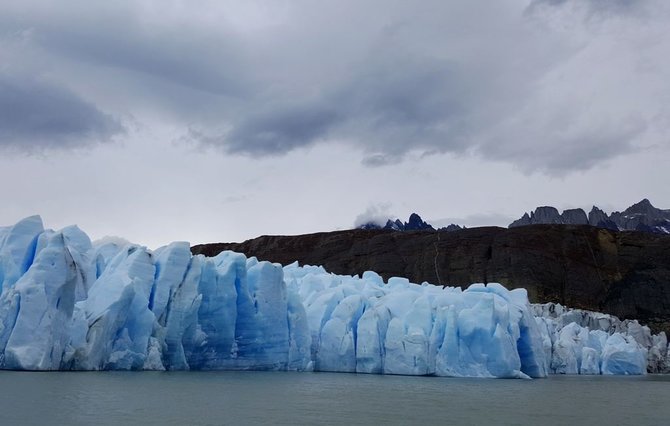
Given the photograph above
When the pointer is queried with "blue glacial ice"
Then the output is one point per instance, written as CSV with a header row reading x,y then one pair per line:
x,y
583,342
69,304
364,325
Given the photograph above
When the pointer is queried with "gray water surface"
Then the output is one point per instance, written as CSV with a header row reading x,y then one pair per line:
x,y
218,398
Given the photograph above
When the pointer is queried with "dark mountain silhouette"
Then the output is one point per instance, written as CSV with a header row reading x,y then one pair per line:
x,y
415,223
642,216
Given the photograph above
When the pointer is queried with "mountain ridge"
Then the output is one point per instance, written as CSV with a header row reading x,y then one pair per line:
x,y
414,223
641,216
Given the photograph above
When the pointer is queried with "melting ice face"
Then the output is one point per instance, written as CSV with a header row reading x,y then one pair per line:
x,y
69,305
364,325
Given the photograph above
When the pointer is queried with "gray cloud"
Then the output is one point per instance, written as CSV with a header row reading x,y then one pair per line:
x,y
380,160
407,103
280,129
37,115
593,6
385,107
575,143
210,64
540,85
377,214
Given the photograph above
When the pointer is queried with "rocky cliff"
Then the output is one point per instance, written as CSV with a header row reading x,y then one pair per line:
x,y
623,273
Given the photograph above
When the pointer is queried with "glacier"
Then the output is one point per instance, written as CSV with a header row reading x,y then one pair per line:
x,y
70,304
585,342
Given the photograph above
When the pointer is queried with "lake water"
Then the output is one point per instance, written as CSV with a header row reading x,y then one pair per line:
x,y
216,398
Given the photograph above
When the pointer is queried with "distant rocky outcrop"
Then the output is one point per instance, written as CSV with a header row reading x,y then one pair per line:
x,y
642,216
626,274
415,223
574,217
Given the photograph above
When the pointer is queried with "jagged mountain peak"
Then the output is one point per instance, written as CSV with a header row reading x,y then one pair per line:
x,y
414,223
641,216
642,207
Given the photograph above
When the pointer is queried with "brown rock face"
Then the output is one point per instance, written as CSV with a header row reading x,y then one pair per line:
x,y
623,273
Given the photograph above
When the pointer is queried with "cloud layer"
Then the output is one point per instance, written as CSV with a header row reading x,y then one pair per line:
x,y
36,115
547,85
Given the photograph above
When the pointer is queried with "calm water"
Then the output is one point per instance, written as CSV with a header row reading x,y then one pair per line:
x,y
214,398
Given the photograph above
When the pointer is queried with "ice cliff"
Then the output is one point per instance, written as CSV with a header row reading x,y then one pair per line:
x,y
68,304
584,342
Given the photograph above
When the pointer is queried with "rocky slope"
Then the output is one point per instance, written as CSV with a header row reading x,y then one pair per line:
x,y
626,274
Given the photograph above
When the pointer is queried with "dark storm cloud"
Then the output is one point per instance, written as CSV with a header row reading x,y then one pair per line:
x,y
280,129
508,92
386,108
536,84
36,115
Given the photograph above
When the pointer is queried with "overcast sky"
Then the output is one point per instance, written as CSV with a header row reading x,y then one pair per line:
x,y
224,120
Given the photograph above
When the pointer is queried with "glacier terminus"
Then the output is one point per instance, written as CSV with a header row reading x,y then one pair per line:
x,y
69,304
